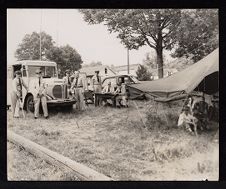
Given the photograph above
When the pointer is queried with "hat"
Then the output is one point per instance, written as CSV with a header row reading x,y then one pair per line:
x,y
38,71
67,71
18,72
97,71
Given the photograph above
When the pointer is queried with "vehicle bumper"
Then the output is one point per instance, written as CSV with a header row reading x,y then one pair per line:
x,y
53,103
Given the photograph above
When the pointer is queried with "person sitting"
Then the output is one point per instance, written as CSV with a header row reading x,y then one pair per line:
x,y
121,95
188,102
108,89
187,121
200,111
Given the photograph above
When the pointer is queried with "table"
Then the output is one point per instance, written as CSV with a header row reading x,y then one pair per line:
x,y
99,97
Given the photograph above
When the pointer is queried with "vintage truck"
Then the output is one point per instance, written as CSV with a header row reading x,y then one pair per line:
x,y
57,93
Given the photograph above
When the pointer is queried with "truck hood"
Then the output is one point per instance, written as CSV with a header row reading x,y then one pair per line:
x,y
53,81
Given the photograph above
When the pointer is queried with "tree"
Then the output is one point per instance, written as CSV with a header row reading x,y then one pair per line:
x,y
29,49
197,34
143,74
135,27
66,57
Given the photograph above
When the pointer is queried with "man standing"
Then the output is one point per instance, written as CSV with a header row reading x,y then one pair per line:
x,y
67,81
96,82
78,87
16,95
40,94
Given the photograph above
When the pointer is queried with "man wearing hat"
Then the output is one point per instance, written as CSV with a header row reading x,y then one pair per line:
x,y
16,95
67,81
96,82
78,87
39,87
187,121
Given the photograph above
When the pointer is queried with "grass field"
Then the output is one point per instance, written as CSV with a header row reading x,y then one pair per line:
x,y
25,166
135,143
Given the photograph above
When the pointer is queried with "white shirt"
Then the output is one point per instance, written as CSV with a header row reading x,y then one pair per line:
x,y
108,89
183,118
81,82
36,88
95,80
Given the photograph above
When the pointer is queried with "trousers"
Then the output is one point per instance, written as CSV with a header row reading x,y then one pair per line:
x,y
79,95
15,104
37,102
121,100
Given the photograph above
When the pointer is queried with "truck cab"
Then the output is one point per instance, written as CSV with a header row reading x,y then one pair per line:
x,y
57,93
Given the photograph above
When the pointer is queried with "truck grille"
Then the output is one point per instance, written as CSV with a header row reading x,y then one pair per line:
x,y
57,91
60,91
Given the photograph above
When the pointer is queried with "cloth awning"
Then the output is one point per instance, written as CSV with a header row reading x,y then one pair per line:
x,y
201,76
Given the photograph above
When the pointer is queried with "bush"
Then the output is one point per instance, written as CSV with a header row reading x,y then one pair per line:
x,y
143,74
163,119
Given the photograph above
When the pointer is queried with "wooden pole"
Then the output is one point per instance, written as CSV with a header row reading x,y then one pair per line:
x,y
81,171
128,61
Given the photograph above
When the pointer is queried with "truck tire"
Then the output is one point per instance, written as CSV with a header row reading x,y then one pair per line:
x,y
30,104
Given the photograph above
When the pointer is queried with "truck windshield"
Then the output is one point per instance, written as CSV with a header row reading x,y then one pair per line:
x,y
47,71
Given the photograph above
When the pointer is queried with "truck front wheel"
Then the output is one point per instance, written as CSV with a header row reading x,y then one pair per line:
x,y
30,104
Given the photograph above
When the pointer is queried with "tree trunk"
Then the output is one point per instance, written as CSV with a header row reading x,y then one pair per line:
x,y
159,51
159,48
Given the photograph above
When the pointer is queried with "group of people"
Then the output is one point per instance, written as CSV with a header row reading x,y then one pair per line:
x,y
77,86
196,114
39,89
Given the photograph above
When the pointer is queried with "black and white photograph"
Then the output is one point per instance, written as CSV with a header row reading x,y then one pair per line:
x,y
112,94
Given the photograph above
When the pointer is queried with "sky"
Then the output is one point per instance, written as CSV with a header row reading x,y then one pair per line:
x,y
66,26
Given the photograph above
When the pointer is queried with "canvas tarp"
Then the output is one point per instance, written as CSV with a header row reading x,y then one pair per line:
x,y
201,76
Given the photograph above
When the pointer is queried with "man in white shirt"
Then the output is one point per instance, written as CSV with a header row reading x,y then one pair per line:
x,y
39,88
16,95
121,98
187,121
108,89
67,79
78,87
96,82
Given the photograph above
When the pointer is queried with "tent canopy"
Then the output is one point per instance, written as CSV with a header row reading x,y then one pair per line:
x,y
201,76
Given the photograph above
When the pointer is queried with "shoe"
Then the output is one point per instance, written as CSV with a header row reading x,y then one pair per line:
x,y
46,117
16,117
35,117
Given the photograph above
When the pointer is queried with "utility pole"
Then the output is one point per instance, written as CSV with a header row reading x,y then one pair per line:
x,y
128,61
40,40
